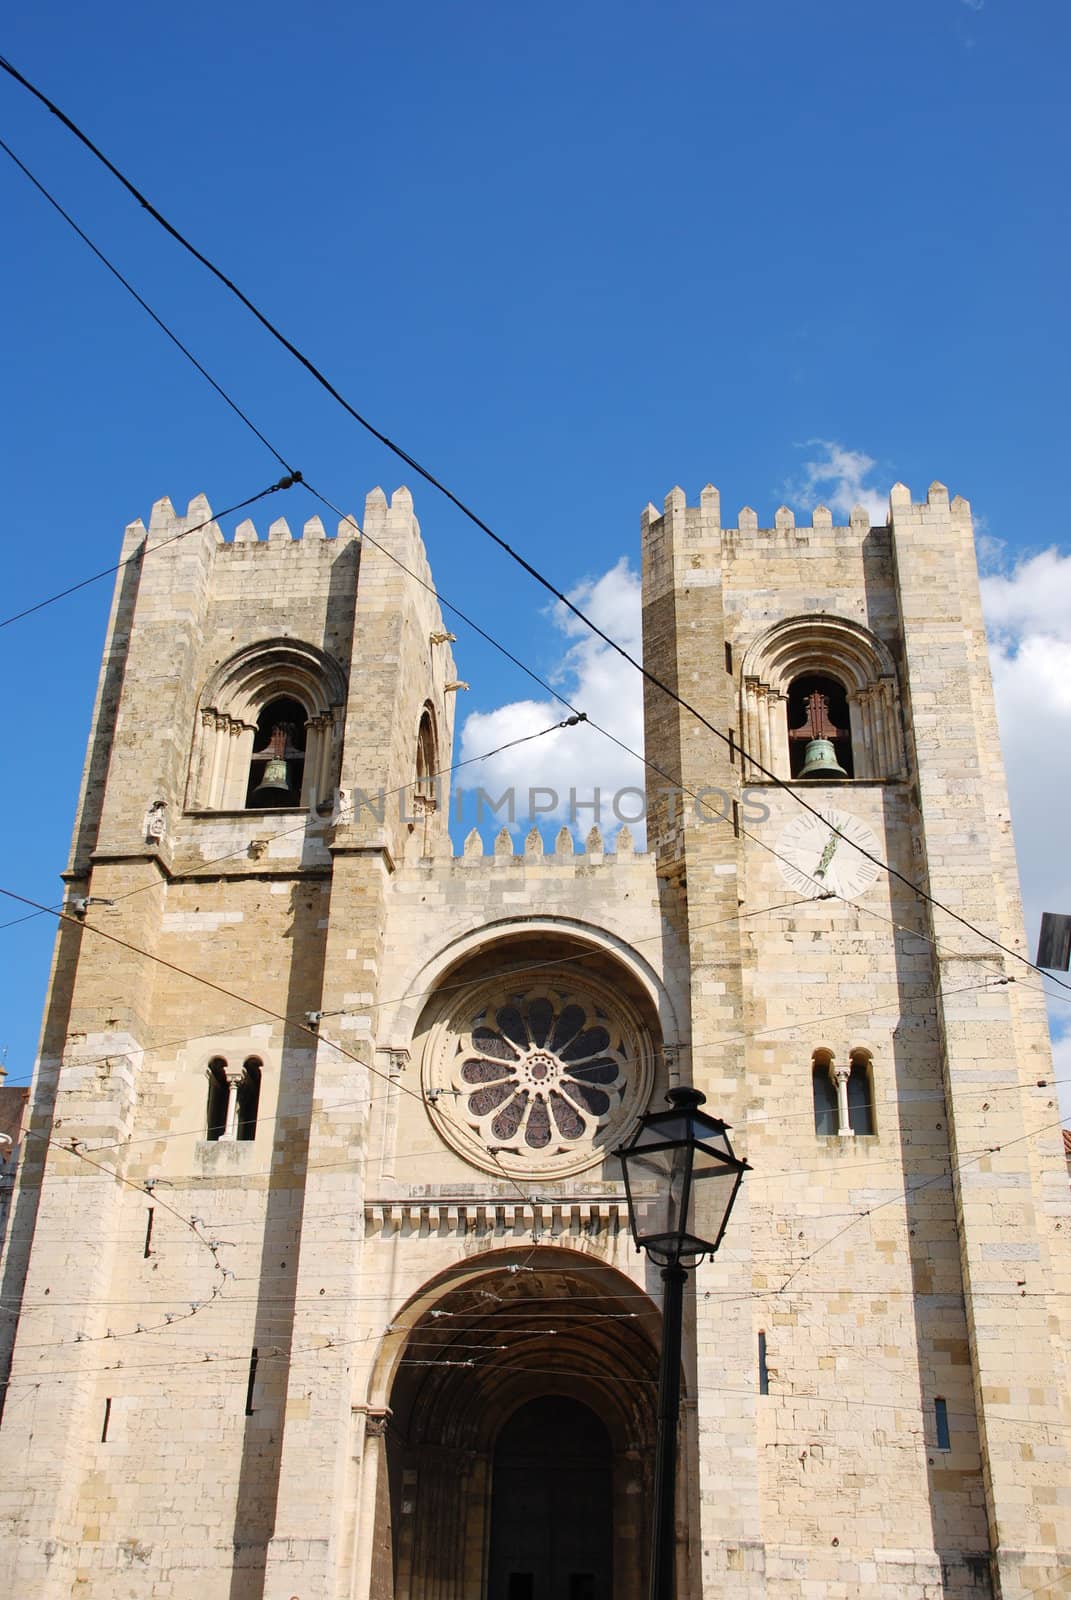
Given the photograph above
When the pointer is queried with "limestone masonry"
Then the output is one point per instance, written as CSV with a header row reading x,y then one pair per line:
x,y
318,1246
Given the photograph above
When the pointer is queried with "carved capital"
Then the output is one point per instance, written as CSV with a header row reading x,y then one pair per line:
x,y
395,1057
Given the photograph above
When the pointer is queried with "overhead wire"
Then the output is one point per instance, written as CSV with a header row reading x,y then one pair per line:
x,y
536,575
144,550
365,1101
472,516
147,308
475,626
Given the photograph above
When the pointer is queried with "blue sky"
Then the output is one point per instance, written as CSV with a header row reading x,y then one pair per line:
x,y
570,257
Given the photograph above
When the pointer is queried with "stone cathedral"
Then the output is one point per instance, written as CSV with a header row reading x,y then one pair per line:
x,y
319,1283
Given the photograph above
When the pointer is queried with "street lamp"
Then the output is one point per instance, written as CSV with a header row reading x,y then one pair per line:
x,y
674,1161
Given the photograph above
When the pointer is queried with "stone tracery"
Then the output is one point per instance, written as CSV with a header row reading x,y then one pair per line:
x,y
543,1074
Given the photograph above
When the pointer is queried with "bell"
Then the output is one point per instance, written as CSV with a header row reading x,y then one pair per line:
x,y
273,783
820,761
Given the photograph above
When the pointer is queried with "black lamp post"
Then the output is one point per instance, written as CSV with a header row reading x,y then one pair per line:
x,y
675,1159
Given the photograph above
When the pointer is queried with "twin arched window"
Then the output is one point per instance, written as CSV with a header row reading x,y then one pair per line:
x,y
269,730
233,1099
824,678
843,1097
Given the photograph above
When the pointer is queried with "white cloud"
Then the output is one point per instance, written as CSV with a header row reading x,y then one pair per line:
x,y
1028,614
837,479
572,762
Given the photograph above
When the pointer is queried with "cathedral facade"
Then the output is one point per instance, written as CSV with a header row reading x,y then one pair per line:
x,y
318,1275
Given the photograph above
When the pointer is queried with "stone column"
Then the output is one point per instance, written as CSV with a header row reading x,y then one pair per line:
x,y
844,1127
235,1080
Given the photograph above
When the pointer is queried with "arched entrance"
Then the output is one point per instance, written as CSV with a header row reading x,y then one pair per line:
x,y
552,1505
520,1443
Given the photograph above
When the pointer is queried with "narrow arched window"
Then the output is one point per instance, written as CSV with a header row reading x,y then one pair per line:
x,y
426,761
277,765
819,729
861,1092
248,1096
824,1091
218,1095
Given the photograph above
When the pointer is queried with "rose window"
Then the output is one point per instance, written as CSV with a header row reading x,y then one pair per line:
x,y
540,1076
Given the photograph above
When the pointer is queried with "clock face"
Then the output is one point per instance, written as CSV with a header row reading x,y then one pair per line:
x,y
817,855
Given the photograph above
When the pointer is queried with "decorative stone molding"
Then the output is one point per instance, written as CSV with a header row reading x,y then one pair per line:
x,y
376,1422
557,1216
232,700
831,647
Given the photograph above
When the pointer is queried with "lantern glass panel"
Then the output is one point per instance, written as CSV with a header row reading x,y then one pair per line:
x,y
714,1184
656,1183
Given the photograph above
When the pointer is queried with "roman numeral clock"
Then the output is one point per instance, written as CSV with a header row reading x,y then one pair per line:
x,y
823,854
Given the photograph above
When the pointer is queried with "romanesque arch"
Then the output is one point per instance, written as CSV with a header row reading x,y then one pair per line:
x,y
821,648
234,701
482,1372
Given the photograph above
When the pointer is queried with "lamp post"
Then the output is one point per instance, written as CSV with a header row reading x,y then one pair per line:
x,y
675,1159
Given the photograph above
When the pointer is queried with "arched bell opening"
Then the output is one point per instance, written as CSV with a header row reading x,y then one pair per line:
x,y
277,764
520,1442
819,728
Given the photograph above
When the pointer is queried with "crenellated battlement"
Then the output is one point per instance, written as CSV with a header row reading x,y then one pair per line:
x,y
707,515
166,525
563,851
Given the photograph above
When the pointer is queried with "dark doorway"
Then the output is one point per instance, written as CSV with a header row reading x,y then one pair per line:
x,y
551,1498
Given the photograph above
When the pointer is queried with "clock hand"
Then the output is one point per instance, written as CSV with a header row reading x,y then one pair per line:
x,y
827,855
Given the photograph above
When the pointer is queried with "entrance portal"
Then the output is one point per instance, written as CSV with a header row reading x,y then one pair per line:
x,y
521,1436
551,1505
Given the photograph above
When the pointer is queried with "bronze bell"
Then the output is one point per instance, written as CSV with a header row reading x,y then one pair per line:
x,y
275,779
274,787
820,761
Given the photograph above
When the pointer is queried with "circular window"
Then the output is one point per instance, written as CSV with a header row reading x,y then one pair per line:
x,y
544,1077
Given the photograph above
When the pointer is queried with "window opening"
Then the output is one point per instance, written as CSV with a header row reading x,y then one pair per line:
x,y
148,1233
824,1090
521,1585
861,1093
254,1357
819,737
277,765
248,1096
764,1371
425,790
940,1411
218,1097
233,1100
728,656
108,1418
